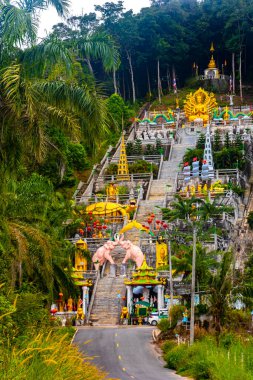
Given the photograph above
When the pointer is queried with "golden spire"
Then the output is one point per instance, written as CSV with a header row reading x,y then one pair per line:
x,y
123,173
212,64
212,48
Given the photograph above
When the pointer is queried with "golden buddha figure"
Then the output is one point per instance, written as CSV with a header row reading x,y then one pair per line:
x,y
199,105
112,192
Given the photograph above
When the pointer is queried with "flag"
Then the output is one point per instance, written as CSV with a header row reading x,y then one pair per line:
x,y
230,83
174,84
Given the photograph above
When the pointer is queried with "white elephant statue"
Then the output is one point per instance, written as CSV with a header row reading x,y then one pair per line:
x,y
103,253
133,252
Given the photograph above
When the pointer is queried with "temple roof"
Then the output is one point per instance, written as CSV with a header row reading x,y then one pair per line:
x,y
144,275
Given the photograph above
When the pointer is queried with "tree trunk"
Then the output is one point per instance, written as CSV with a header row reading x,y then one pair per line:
x,y
158,81
233,72
124,86
89,65
168,78
114,81
240,74
149,87
132,75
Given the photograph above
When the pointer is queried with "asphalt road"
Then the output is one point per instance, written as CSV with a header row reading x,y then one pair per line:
x,y
124,353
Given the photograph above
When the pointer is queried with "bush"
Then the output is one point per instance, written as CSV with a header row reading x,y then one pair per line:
x,y
139,166
77,157
237,319
175,357
168,345
176,314
164,325
232,359
250,220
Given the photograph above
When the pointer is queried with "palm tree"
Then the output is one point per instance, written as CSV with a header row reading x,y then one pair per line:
x,y
220,285
33,246
211,210
44,85
19,20
181,209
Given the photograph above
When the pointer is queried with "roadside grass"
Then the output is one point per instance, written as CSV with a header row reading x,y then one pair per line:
x,y
232,359
47,356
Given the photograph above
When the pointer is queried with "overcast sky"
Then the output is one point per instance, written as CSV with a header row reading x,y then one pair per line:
x,y
49,17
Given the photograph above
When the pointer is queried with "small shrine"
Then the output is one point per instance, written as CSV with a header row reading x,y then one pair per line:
x,y
144,275
123,172
199,106
212,72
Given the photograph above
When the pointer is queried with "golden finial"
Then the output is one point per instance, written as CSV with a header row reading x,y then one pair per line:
x,y
212,64
212,48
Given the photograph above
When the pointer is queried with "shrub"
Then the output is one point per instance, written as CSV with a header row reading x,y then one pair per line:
x,y
237,319
164,325
77,157
202,369
175,357
176,314
250,220
168,345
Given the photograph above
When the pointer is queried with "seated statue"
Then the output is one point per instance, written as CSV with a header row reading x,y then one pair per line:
x,y
199,105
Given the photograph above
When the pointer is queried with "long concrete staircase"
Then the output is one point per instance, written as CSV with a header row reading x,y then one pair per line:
x,y
107,303
110,290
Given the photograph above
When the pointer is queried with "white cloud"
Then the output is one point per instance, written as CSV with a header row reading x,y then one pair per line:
x,y
49,17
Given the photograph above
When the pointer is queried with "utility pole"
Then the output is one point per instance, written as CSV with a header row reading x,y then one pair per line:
x,y
193,285
171,282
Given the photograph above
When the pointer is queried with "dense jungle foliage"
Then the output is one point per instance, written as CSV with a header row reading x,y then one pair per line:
x,y
177,33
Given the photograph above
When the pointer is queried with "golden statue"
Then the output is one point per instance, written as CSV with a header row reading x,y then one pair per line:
x,y
161,254
124,313
70,304
112,192
199,105
226,114
80,261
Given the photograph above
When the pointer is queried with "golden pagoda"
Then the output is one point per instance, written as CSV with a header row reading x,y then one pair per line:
x,y
212,72
144,275
123,173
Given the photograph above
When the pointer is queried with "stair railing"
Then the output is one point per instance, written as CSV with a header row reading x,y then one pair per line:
x,y
137,207
92,298
103,269
160,167
149,185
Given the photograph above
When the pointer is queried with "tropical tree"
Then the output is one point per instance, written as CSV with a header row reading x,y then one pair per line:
x,y
220,285
181,208
32,243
